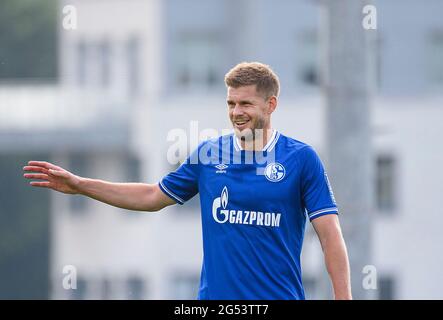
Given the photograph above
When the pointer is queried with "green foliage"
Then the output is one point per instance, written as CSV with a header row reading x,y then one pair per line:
x,y
28,39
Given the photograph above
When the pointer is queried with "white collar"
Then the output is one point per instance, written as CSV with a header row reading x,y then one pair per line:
x,y
268,147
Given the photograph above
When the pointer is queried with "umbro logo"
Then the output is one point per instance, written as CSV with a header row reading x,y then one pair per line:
x,y
221,168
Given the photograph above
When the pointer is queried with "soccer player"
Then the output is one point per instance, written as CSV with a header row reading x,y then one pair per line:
x,y
257,189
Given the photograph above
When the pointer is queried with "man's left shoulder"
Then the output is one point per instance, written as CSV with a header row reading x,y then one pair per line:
x,y
292,144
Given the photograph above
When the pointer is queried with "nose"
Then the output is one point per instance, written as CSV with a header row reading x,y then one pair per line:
x,y
238,110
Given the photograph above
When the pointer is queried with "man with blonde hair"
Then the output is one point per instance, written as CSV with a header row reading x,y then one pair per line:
x,y
256,193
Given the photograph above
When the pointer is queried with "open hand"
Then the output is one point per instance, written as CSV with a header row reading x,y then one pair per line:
x,y
51,176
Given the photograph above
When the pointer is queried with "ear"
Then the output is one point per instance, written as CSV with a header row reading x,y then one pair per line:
x,y
272,104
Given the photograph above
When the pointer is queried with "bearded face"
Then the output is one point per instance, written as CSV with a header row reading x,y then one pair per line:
x,y
248,112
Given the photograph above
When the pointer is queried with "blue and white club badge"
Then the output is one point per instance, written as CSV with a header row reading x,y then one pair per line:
x,y
275,172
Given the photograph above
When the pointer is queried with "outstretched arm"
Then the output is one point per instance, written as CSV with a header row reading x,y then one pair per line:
x,y
131,196
336,257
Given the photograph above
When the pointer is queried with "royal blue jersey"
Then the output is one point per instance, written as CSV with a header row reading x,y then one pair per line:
x,y
254,207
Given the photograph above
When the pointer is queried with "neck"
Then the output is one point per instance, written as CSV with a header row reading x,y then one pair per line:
x,y
257,141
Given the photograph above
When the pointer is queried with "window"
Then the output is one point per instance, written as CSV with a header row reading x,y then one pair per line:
x,y
135,288
386,288
385,183
78,165
198,61
307,63
310,284
106,292
104,49
81,291
94,63
81,63
132,168
379,47
185,287
133,61
435,57
25,240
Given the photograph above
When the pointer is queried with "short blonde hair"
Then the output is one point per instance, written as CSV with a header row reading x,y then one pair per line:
x,y
254,73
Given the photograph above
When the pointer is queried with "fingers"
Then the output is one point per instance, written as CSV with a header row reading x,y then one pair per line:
x,y
43,184
45,170
41,170
35,169
44,164
38,176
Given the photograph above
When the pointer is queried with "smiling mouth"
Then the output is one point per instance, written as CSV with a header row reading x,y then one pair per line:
x,y
241,123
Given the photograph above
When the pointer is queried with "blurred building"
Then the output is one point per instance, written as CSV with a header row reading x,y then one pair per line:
x,y
135,70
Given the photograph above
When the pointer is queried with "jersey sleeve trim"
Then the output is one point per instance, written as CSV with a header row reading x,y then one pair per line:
x,y
170,193
321,212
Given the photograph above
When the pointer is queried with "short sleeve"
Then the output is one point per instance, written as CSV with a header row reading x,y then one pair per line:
x,y
182,184
317,196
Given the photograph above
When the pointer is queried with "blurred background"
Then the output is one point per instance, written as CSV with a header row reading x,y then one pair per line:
x,y
95,87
